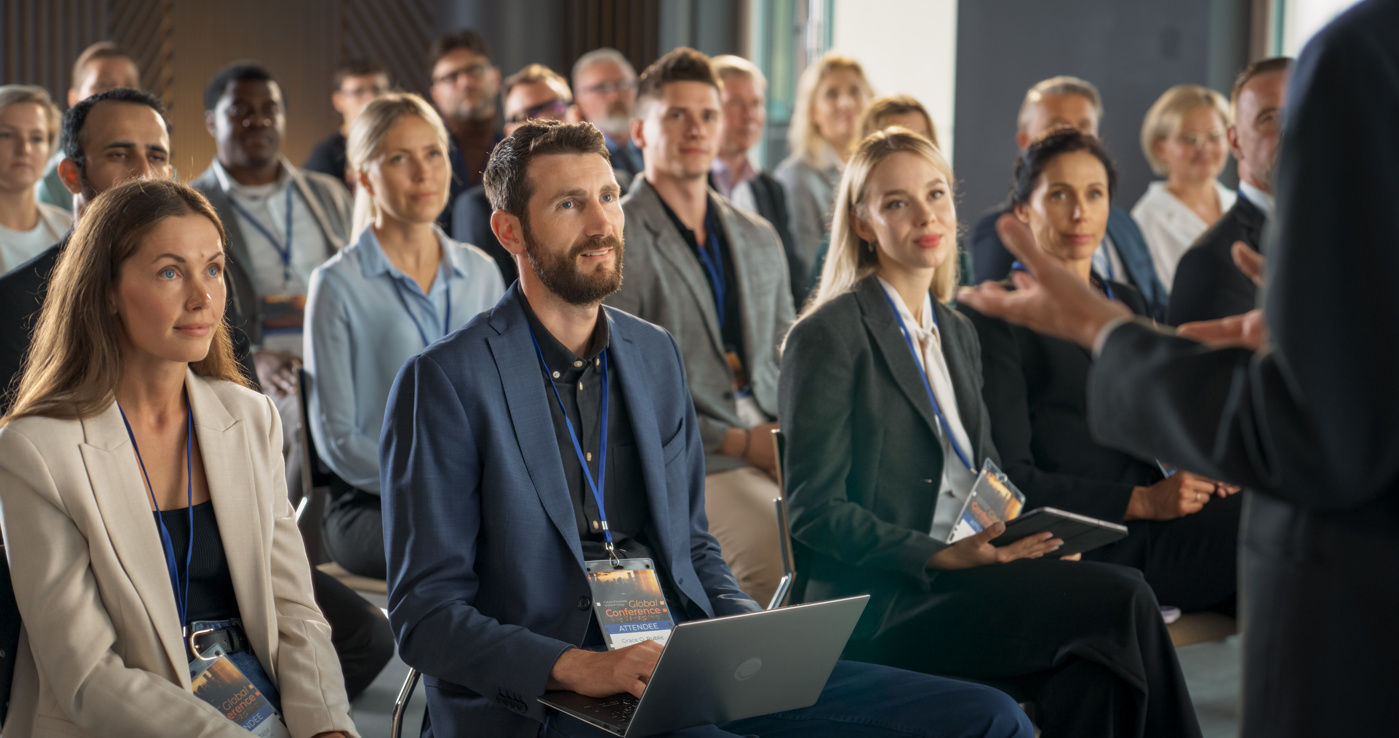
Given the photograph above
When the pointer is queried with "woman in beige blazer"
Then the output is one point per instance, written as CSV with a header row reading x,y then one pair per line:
x,y
132,423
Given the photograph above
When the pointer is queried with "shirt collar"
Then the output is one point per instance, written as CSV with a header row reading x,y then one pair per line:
x,y
228,184
924,327
1260,199
556,355
374,262
685,231
728,179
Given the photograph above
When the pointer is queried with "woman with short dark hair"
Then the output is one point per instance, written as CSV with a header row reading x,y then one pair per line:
x,y
1183,527
145,504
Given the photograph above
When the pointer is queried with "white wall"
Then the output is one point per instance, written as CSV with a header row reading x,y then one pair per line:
x,y
1303,18
906,47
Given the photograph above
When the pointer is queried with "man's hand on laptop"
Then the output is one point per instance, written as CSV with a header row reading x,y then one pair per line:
x,y
603,674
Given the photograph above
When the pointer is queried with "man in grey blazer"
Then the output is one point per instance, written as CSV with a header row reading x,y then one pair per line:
x,y
717,279
282,223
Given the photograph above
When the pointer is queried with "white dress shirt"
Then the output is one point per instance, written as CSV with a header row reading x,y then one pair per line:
x,y
1170,226
957,480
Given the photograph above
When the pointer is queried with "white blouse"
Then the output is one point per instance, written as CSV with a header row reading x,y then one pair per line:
x,y
1170,226
957,480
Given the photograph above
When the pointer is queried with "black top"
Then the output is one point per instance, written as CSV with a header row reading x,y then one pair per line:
x,y
579,381
1035,389
1208,285
211,594
329,157
732,328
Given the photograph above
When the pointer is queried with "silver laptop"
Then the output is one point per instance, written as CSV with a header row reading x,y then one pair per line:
x,y
730,668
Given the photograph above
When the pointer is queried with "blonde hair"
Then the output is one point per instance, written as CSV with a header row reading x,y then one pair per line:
x,y
1169,110
75,363
367,135
803,136
851,258
16,94
877,114
726,66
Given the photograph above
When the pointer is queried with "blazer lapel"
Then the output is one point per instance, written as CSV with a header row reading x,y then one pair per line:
x,y
116,481
634,382
879,319
527,403
671,248
333,240
228,468
964,380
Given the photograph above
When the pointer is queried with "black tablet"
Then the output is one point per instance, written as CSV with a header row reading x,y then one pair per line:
x,y
1080,532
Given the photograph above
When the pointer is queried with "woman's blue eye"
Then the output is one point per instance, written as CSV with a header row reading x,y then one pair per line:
x,y
167,273
214,270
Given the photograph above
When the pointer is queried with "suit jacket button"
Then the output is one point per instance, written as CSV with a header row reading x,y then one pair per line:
x,y
584,603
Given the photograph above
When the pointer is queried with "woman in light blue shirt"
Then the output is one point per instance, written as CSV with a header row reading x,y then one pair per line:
x,y
402,285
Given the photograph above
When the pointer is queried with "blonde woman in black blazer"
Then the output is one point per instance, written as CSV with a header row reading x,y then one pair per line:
x,y
867,464
132,419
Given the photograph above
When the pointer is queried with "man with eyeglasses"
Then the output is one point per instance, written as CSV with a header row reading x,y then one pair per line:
x,y
357,83
465,83
606,85
533,92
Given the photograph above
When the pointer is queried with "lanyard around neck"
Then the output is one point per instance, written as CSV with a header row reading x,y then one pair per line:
x,y
917,360
446,323
713,263
594,485
282,251
180,586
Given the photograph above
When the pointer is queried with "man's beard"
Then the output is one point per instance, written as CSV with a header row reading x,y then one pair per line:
x,y
561,276
617,124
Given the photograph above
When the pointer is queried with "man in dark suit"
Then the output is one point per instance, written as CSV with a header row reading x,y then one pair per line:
x,y
491,440
1207,285
533,92
1070,102
1308,420
108,138
465,85
734,175
716,278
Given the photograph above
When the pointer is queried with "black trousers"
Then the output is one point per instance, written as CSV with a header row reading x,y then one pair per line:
x,y
1083,641
1190,562
359,631
354,531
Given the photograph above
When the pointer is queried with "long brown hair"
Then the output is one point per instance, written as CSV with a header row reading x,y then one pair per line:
x,y
75,362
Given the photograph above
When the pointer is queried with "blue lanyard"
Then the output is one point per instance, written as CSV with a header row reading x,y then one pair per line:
x,y
282,251
446,324
594,485
1107,288
181,588
713,263
937,410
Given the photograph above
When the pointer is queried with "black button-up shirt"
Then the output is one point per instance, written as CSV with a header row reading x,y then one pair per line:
x,y
579,382
731,329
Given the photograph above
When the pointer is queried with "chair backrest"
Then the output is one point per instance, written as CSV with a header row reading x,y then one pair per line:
x,y
315,477
784,535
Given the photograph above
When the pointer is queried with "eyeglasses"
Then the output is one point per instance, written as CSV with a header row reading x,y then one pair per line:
x,y
556,106
606,88
474,71
1195,139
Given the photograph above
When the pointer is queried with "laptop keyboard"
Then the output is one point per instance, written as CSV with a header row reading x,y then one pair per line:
x,y
616,710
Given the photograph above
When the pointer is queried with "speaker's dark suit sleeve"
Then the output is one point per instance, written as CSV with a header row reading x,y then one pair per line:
x,y
1315,418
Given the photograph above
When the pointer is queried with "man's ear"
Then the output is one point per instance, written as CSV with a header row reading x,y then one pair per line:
x,y
71,175
638,132
209,124
508,232
1022,140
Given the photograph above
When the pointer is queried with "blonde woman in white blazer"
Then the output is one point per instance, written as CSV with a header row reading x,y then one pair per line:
x,y
132,332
